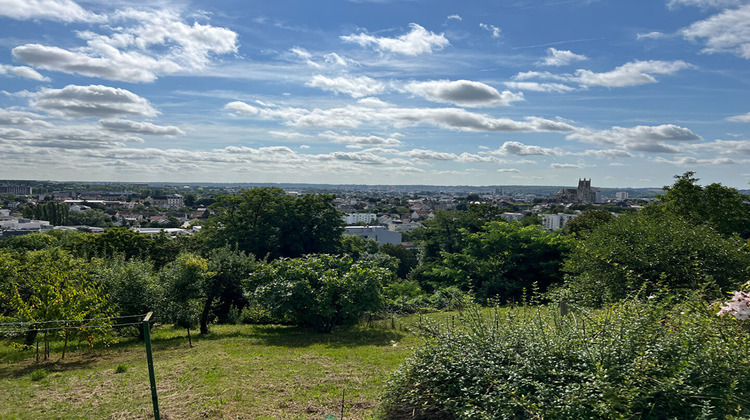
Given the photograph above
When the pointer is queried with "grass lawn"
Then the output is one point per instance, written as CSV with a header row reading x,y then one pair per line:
x,y
235,372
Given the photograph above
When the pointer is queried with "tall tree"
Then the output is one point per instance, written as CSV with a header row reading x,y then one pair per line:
x,y
723,208
267,222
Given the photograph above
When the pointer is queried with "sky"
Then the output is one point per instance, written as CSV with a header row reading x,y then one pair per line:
x,y
390,92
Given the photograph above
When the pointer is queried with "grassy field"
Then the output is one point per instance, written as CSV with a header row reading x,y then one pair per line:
x,y
235,372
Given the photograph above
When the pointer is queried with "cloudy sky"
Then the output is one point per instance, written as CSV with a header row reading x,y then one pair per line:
x,y
529,92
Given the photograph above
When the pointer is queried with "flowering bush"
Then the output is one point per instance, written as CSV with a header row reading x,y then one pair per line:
x,y
738,306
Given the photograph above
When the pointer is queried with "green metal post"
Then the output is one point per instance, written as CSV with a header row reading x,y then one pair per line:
x,y
147,337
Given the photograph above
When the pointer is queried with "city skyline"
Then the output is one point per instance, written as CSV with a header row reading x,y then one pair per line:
x,y
376,91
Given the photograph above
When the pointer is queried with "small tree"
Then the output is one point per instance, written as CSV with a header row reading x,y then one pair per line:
x,y
184,280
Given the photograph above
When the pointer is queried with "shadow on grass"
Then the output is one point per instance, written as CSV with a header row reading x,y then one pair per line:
x,y
52,365
289,336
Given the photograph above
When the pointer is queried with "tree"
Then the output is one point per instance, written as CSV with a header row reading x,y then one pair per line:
x,y
320,290
51,284
229,271
502,259
267,222
184,280
722,208
584,223
651,249
407,258
356,246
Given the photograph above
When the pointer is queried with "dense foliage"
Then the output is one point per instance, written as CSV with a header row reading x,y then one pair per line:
x,y
650,250
268,223
633,360
320,290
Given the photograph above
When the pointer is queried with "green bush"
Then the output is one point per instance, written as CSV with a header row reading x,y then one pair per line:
x,y
38,375
632,360
320,290
121,368
650,250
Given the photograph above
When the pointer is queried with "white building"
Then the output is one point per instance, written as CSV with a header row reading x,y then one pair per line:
x,y
513,216
378,233
556,221
354,218
622,195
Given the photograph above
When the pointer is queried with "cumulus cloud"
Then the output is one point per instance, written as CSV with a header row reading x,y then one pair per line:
x,y
740,118
418,41
649,139
633,73
356,87
144,46
455,17
57,10
630,74
145,128
355,115
362,141
520,149
463,92
728,147
608,154
13,117
509,170
92,101
494,31
726,32
22,71
559,58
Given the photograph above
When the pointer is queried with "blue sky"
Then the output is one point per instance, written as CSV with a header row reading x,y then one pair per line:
x,y
628,93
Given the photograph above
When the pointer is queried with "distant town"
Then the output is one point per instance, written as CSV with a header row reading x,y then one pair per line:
x,y
381,212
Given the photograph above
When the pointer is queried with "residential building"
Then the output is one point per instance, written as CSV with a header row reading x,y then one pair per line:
x,y
556,221
378,233
354,218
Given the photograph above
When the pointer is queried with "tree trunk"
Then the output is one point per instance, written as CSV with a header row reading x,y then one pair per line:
x,y
190,340
65,346
205,313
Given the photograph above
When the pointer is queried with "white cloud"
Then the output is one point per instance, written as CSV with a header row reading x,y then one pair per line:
x,y
509,170
726,32
740,118
127,126
608,154
357,87
520,149
728,147
455,17
690,161
92,101
362,141
633,73
494,31
421,154
13,117
144,46
651,35
417,41
22,71
463,92
640,138
58,10
561,58
567,166
540,87
704,4
354,116
630,74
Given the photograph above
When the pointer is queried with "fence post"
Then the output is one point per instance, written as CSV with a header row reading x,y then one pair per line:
x,y
151,377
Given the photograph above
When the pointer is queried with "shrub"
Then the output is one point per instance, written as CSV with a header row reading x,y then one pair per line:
x,y
38,375
652,249
633,360
320,290
121,368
